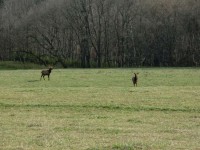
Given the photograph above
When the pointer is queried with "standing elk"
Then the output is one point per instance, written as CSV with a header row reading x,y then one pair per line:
x,y
135,79
46,73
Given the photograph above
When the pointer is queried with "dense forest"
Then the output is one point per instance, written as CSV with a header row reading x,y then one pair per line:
x,y
101,33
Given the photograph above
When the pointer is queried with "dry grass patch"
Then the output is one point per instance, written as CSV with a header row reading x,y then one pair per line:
x,y
97,109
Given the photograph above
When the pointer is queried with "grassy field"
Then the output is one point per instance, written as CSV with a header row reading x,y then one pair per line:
x,y
99,109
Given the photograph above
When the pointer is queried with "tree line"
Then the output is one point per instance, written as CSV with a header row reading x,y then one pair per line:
x,y
101,33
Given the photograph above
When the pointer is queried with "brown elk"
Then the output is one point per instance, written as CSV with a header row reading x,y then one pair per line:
x,y
135,79
46,73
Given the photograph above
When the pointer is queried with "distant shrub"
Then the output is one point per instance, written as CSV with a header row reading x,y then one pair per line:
x,y
17,65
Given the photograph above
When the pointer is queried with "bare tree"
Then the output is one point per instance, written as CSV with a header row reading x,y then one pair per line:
x,y
101,33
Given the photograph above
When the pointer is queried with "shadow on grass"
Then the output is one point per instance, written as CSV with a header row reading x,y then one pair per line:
x,y
33,81
105,107
123,147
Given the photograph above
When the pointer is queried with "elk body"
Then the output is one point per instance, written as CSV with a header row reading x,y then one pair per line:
x,y
135,79
46,73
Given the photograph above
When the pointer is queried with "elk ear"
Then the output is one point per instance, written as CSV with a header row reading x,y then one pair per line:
x,y
50,66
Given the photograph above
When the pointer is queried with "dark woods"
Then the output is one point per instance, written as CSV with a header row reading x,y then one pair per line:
x,y
101,33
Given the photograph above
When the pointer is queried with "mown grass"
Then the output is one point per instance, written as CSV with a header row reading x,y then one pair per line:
x,y
97,109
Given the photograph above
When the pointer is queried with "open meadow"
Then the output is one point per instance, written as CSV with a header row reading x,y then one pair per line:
x,y
99,109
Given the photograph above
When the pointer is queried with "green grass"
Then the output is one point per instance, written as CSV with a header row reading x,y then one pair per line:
x,y
99,109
